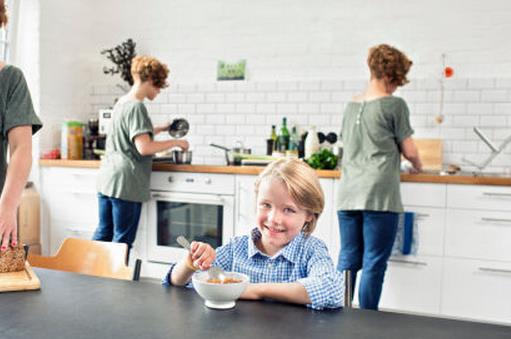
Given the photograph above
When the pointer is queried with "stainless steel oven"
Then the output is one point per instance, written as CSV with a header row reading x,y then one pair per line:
x,y
199,206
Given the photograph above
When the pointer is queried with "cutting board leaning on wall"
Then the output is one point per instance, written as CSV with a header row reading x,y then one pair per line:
x,y
431,153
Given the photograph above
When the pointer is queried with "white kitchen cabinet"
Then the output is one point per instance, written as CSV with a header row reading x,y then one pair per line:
x,y
413,284
69,205
492,198
478,234
477,264
423,194
477,289
245,205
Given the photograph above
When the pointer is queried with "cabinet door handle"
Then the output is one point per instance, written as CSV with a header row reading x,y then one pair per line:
x,y
494,270
414,263
496,220
494,194
422,215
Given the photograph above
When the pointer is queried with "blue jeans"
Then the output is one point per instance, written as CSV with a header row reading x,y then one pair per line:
x,y
367,238
118,220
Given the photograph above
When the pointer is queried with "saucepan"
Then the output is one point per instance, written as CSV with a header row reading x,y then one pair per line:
x,y
233,156
182,157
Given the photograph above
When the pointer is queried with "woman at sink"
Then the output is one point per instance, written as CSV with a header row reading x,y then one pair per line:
x,y
281,257
375,131
123,181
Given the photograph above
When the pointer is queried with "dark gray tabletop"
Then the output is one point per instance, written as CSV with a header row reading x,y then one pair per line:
x,y
76,306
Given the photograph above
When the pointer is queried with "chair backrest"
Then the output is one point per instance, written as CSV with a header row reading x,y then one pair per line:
x,y
98,258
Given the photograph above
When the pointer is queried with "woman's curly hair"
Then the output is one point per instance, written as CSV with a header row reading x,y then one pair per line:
x,y
150,68
3,14
387,62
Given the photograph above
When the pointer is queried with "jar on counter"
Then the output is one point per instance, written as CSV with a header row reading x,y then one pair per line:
x,y
311,142
74,140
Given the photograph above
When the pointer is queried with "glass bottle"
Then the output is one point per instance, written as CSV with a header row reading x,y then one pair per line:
x,y
311,142
271,143
294,141
283,138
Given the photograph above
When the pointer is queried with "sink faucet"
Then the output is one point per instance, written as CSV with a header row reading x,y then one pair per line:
x,y
494,150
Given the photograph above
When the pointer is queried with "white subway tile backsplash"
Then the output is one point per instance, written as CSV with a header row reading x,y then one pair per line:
x,y
256,97
319,96
226,108
287,86
266,86
327,85
284,109
215,119
234,97
503,108
266,108
308,108
480,109
215,97
481,83
225,112
176,98
310,86
235,119
466,96
494,95
195,98
205,108
298,97
255,119
455,84
276,97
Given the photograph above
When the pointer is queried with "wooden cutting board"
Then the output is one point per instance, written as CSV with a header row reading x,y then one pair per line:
x,y
431,153
19,281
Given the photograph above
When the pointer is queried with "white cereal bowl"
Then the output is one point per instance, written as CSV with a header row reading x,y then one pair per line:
x,y
220,296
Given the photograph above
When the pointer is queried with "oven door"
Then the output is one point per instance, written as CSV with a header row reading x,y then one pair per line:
x,y
201,217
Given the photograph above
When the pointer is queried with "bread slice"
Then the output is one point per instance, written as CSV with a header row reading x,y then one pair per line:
x,y
13,259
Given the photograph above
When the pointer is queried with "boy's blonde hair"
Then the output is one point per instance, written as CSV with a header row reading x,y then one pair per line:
x,y
302,184
3,14
150,68
385,61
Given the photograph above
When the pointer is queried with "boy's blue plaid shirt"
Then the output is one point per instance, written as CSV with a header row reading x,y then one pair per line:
x,y
304,260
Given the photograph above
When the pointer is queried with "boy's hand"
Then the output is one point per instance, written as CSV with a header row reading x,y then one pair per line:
x,y
202,255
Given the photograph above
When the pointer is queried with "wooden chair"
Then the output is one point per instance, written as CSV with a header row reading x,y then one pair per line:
x,y
98,258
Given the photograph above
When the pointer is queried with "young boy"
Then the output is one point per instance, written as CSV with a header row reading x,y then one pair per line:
x,y
282,259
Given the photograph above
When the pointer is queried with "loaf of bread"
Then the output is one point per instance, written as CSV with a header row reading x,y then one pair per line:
x,y
13,259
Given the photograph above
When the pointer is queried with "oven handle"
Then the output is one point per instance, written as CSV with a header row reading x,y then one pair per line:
x,y
215,199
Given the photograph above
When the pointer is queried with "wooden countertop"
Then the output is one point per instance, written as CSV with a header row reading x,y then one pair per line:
x,y
464,179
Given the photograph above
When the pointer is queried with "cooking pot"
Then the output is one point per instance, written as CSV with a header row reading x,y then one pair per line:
x,y
233,156
182,157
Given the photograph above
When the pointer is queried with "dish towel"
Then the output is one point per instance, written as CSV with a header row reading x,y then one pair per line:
x,y
406,242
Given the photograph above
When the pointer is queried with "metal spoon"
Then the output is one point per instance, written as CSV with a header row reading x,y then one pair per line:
x,y
214,272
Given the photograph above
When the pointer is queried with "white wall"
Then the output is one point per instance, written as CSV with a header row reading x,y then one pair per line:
x,y
283,41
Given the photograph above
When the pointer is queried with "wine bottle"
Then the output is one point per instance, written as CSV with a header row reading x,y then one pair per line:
x,y
283,138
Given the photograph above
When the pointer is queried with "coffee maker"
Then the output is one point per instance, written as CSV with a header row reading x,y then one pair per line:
x,y
94,142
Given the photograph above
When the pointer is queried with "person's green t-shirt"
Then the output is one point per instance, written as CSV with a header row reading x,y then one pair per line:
x,y
124,173
370,170
16,109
